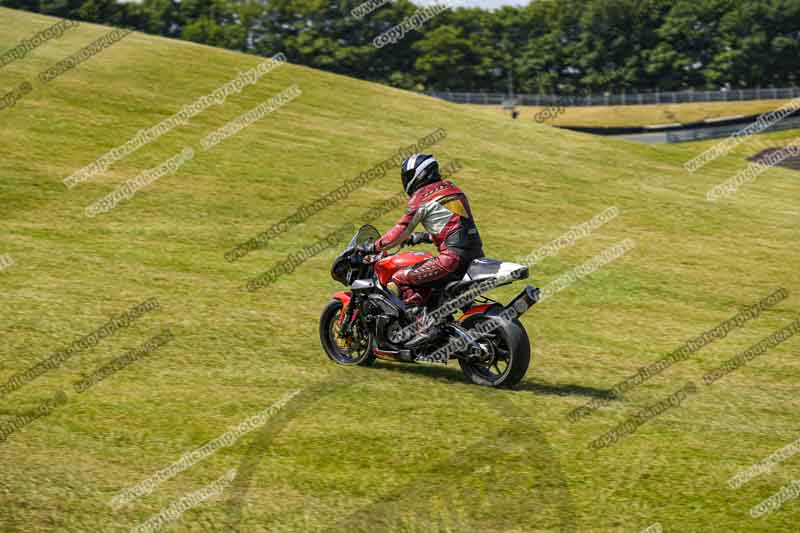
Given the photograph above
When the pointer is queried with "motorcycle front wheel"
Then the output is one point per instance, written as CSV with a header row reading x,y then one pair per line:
x,y
353,350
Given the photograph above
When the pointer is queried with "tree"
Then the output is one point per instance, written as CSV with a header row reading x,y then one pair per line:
x,y
557,46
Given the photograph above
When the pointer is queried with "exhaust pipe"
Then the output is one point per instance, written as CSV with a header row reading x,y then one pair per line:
x,y
523,301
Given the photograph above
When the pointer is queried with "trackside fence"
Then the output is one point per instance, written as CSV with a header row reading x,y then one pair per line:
x,y
681,97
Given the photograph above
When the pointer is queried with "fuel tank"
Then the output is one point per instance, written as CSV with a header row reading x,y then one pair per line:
x,y
389,265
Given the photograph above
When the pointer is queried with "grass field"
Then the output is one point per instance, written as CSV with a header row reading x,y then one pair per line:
x,y
388,448
641,115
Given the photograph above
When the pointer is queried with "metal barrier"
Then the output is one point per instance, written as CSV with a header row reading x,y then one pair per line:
x,y
716,132
682,97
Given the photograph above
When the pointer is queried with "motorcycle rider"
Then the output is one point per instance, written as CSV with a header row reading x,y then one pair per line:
x,y
444,212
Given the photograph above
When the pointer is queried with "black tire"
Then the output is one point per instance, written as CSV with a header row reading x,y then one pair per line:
x,y
328,326
508,335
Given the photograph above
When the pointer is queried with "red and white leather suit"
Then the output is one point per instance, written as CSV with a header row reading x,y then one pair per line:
x,y
443,210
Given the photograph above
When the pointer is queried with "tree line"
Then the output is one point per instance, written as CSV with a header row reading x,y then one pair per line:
x,y
548,46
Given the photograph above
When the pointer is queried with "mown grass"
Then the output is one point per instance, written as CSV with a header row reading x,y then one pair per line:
x,y
392,447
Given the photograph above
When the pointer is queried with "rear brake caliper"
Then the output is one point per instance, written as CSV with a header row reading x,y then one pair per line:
x,y
474,349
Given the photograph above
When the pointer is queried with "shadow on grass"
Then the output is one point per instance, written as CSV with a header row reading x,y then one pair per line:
x,y
566,390
431,371
456,376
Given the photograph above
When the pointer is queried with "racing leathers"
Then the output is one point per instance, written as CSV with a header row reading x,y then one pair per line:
x,y
443,210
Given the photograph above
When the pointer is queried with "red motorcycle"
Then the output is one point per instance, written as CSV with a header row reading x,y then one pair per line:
x,y
369,321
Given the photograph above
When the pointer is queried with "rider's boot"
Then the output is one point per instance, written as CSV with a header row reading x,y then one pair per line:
x,y
426,331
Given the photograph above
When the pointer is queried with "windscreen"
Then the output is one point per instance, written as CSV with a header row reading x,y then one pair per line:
x,y
364,235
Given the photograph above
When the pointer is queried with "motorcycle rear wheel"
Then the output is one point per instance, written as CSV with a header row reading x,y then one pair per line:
x,y
354,351
510,353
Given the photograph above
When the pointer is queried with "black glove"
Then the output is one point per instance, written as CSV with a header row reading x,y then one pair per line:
x,y
367,248
417,238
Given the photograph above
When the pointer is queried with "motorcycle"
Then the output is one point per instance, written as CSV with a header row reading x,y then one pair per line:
x,y
369,321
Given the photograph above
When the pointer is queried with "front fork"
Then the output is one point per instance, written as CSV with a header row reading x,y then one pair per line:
x,y
347,321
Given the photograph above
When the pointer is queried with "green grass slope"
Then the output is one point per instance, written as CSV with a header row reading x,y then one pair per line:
x,y
388,448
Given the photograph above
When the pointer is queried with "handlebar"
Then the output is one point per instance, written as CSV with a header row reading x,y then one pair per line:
x,y
359,258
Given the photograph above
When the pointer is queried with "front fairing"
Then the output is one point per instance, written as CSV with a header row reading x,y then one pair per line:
x,y
342,264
